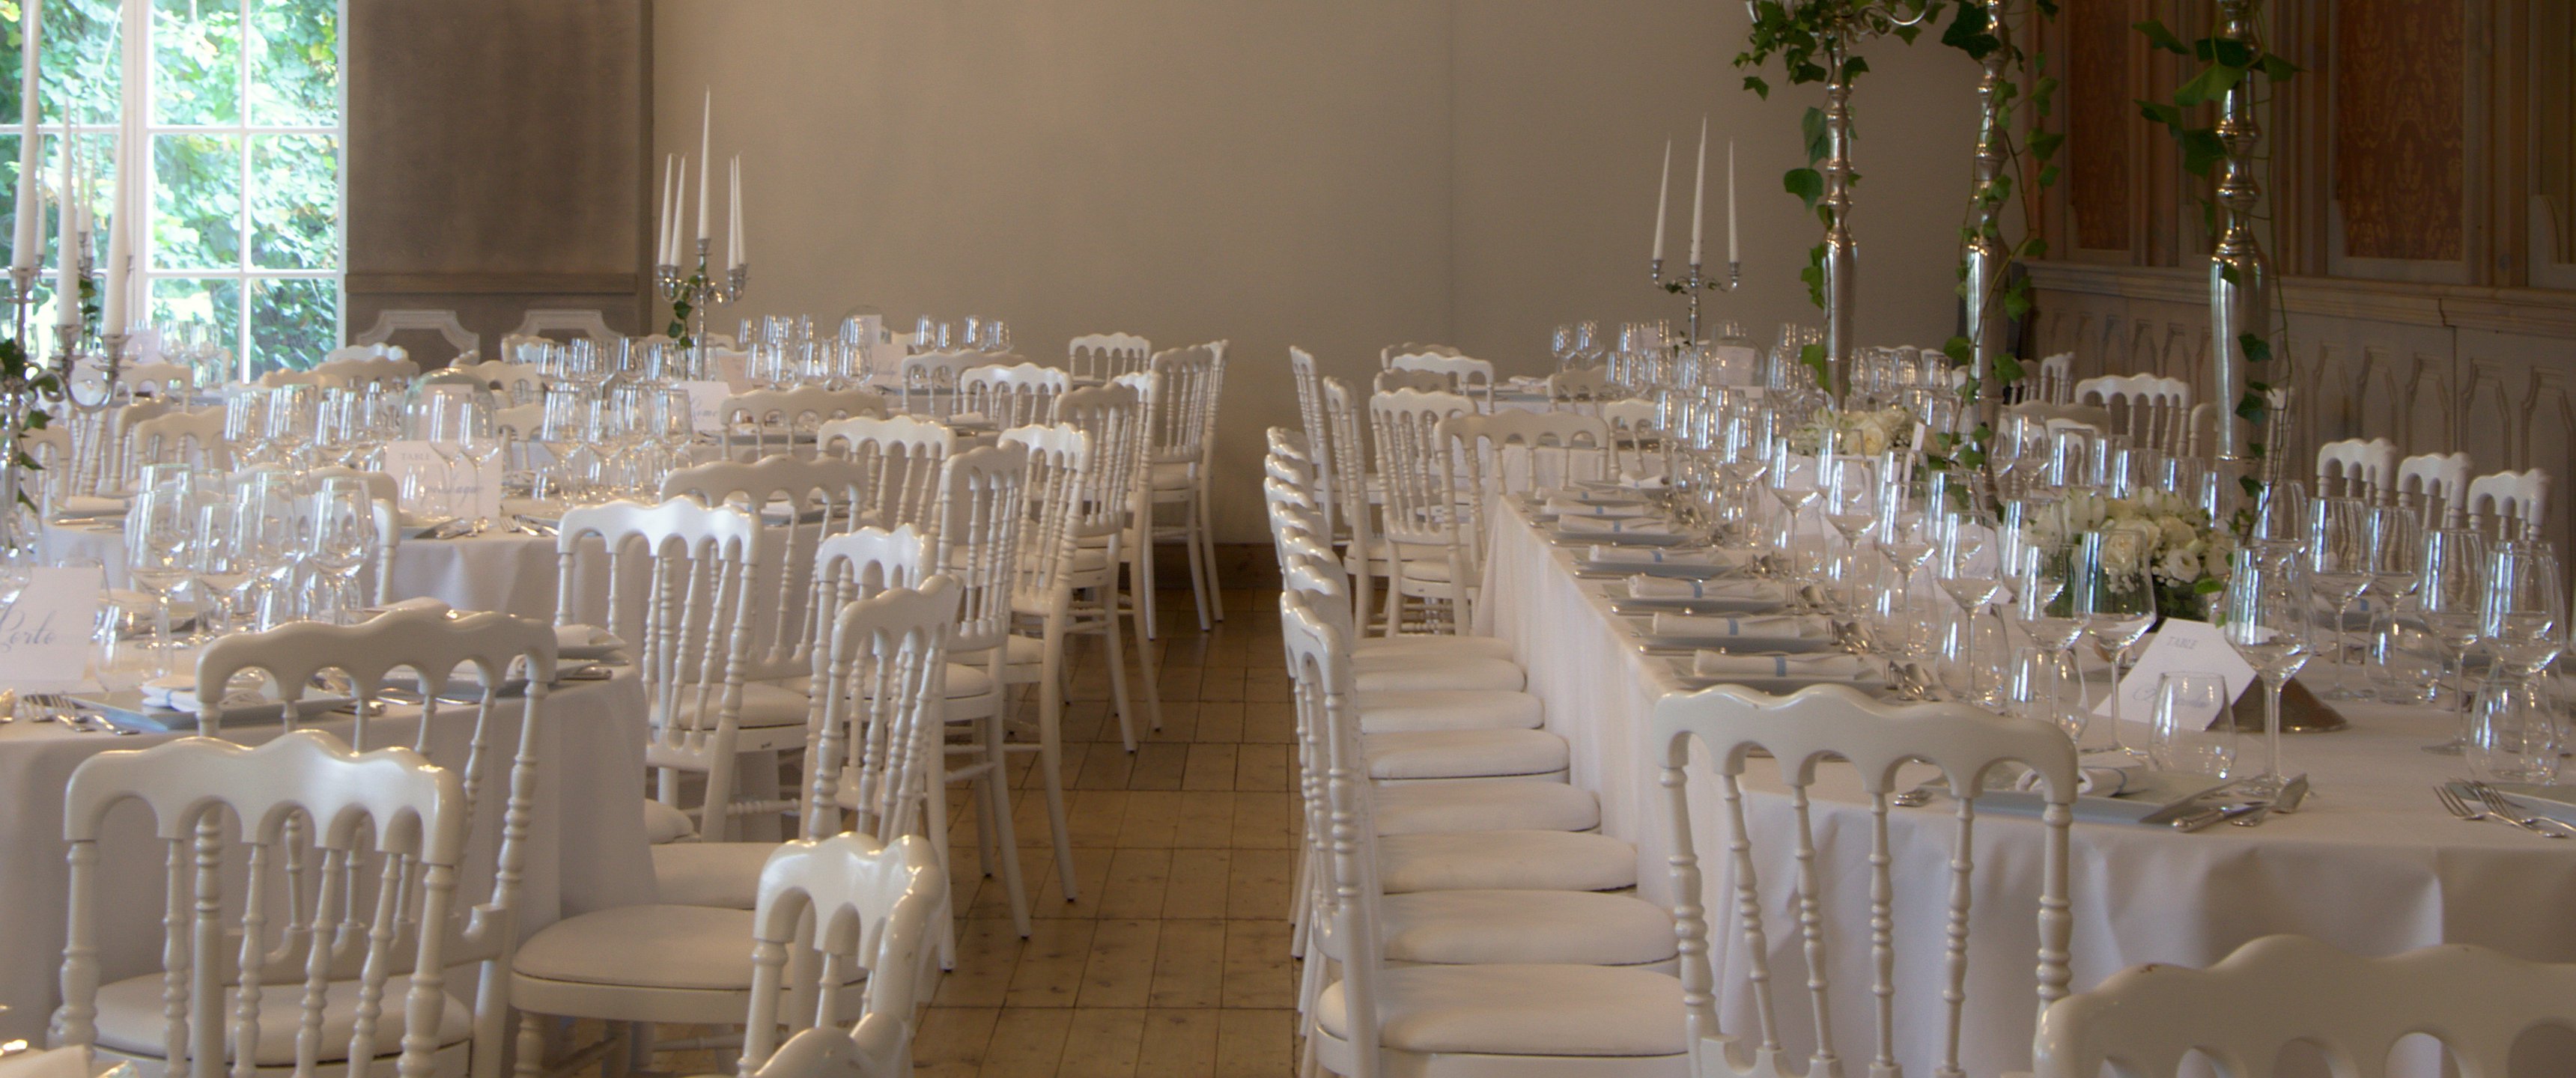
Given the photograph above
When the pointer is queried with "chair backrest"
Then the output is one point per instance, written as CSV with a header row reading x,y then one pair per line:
x,y
2354,468
1012,396
1473,378
982,509
902,456
2509,505
1589,385
2154,412
194,438
1059,462
767,422
871,904
159,380
514,383
525,422
1391,380
690,626
1113,416
1102,356
384,497
811,499
539,322
1798,733
1184,404
359,373
443,323
2278,990
876,717
1420,504
2434,484
857,565
926,383
388,815
1386,356
1485,446
2049,381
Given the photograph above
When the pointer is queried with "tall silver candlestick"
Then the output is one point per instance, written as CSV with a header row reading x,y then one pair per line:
x,y
700,289
2240,278
1985,254
1692,285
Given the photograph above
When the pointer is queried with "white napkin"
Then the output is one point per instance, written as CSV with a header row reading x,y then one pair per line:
x,y
1759,627
1820,667
1607,526
1590,494
1746,591
1566,507
1624,555
585,642
89,505
2094,781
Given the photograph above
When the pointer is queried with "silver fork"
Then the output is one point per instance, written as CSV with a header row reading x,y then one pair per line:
x,y
2511,813
2450,799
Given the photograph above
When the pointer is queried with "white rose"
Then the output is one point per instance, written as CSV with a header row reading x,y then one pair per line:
x,y
2175,530
2180,565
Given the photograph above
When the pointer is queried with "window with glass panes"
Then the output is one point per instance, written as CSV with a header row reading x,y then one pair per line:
x,y
242,109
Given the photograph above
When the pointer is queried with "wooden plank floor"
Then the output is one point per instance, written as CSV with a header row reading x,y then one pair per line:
x,y
1173,959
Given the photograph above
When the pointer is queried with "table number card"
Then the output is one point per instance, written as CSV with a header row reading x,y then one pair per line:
x,y
706,404
2180,647
45,633
423,476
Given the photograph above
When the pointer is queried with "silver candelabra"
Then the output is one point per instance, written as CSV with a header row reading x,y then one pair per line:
x,y
1692,285
699,289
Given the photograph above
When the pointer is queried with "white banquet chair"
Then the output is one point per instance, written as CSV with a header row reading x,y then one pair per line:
x,y
1180,414
983,508
2355,468
1467,377
191,437
1498,1017
799,502
1103,524
1356,494
1432,558
870,903
1386,356
676,963
1632,421
520,384
2509,505
902,456
378,984
769,422
2154,412
1319,438
1012,395
2049,381
1059,457
2435,486
1501,454
1734,727
926,383
2281,990
1096,358
390,372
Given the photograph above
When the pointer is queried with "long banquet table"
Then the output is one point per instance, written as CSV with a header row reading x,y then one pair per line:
x,y
2370,864
588,847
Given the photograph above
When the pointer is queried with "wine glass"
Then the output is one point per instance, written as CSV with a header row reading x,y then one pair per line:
x,y
2450,588
2522,615
2193,732
2115,597
339,536
2267,621
479,441
2046,615
1794,484
1907,538
1969,578
293,415
2342,542
157,525
222,564
1851,496
2280,528
2394,559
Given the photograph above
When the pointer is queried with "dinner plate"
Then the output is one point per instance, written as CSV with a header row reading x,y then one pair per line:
x,y
2145,793
1567,538
1624,569
125,710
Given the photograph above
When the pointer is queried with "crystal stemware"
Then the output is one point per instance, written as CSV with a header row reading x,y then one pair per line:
x,y
2267,620
1968,575
2042,609
2114,596
2450,588
2342,542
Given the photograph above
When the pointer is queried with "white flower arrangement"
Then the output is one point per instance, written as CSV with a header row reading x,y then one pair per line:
x,y
2158,530
1868,433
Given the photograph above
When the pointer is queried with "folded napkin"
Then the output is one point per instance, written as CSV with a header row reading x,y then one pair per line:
x,y
88,505
1745,591
1759,627
1614,526
585,642
2095,781
1820,667
1714,559
1592,496
1566,507
178,692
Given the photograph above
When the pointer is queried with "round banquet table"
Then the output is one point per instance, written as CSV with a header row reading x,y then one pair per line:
x,y
2371,864
587,847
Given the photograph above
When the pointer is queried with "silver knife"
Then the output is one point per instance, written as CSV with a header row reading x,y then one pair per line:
x,y
2189,805
2288,802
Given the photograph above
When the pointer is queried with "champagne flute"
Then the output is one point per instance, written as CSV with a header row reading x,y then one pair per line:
x,y
2450,587
2267,622
2115,598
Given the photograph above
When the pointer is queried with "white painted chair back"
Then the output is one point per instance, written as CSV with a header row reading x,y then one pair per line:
x,y
389,829
1500,452
878,700
2154,412
394,375
194,438
1386,356
513,383
926,383
1059,462
2435,485
1472,378
1348,480
902,456
443,323
541,321
2049,381
274,379
1634,422
770,422
872,906
1799,734
1012,396
983,509
689,621
2510,505
1099,357
2354,468
524,422
1113,418
1582,390
800,502
1311,421
163,381
2279,990
859,564
1184,404
1424,509
1391,380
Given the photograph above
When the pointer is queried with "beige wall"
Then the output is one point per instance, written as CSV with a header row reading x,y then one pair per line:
x,y
1336,174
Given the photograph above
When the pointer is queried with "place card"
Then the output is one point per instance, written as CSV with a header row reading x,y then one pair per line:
x,y
422,475
2180,647
706,404
45,633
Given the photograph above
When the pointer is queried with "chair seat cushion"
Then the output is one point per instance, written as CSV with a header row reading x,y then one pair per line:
x,y
652,946
666,823
1405,710
1425,645
1505,860
1521,1010
1483,928
1463,754
1172,476
721,874
1414,808
1392,673
130,1019
765,705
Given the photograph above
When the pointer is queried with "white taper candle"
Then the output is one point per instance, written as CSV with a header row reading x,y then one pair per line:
x,y
120,243
31,143
706,131
662,224
1733,253
1663,197
66,233
1699,189
733,230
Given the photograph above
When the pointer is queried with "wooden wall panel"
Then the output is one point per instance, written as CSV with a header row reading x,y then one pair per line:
x,y
2400,128
2101,120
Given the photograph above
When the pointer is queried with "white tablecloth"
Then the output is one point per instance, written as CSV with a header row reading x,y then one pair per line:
x,y
2371,864
588,850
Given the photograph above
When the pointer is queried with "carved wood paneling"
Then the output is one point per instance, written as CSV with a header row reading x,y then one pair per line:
x,y
2549,441
2400,128
2100,120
